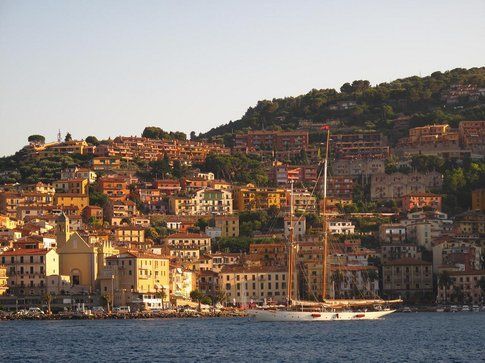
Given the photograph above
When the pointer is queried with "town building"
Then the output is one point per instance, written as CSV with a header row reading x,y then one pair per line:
x,y
412,279
270,141
471,223
200,241
251,198
392,232
285,174
303,201
79,173
116,188
478,199
298,224
32,271
134,277
358,168
244,285
341,227
351,280
80,201
437,140
269,254
414,201
187,152
73,186
465,287
396,185
79,258
472,137
229,225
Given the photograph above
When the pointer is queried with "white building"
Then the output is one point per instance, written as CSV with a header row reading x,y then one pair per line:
x,y
341,227
299,227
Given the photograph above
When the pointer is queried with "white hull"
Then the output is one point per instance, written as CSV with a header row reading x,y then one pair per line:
x,y
282,315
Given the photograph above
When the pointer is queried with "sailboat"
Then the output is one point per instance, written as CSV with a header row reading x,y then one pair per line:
x,y
327,309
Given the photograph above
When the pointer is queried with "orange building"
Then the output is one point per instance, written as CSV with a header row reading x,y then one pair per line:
x,y
425,200
116,188
478,199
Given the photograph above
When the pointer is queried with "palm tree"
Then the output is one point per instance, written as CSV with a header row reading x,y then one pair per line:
x,y
481,284
197,295
444,282
161,294
218,297
48,301
457,295
107,298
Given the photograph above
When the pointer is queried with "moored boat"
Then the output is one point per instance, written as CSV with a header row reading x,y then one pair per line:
x,y
327,309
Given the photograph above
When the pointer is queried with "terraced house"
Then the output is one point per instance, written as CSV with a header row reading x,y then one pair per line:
x,y
255,198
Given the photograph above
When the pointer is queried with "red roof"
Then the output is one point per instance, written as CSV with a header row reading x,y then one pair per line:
x,y
188,235
25,251
407,261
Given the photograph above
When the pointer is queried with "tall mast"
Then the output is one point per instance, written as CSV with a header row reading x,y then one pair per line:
x,y
290,250
325,229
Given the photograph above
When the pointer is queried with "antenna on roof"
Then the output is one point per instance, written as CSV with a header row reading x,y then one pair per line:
x,y
59,136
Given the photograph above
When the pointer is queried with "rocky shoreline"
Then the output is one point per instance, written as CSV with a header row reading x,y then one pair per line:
x,y
123,316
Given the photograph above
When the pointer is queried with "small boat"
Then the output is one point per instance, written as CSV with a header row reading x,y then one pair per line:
x,y
465,308
476,308
453,308
406,309
440,309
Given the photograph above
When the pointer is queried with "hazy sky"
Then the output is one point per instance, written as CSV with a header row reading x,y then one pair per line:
x,y
110,68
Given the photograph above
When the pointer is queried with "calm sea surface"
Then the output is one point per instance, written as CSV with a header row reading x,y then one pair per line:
x,y
424,337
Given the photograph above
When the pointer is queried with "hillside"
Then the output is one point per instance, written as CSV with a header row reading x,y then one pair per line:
x,y
360,106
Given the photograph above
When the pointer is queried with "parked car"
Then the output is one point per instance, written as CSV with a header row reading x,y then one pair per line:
x,y
97,310
122,309
35,311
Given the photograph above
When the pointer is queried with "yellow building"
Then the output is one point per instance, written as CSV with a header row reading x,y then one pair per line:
x,y
72,186
59,148
79,258
7,222
132,234
80,201
3,280
478,199
182,283
32,271
254,198
135,277
470,223
229,225
243,284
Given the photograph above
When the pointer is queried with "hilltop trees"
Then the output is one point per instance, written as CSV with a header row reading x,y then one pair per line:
x,y
362,106
152,132
36,139
238,168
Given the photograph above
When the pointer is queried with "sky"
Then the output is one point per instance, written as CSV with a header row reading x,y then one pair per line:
x,y
110,68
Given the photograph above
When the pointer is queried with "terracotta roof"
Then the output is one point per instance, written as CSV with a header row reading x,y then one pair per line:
x,y
26,252
406,261
352,268
468,273
251,269
137,254
188,235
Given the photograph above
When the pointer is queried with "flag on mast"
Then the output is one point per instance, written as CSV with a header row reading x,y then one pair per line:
x,y
326,127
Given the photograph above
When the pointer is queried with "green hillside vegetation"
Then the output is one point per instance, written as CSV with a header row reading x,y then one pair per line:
x,y
419,98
